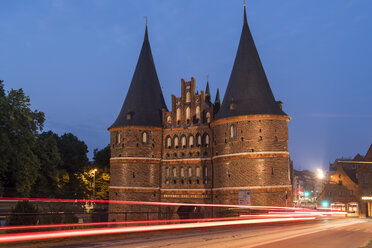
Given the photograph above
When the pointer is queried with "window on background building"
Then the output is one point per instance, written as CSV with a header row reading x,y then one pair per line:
x,y
366,179
351,193
188,115
188,96
197,112
232,131
191,141
144,138
339,193
183,141
329,193
176,142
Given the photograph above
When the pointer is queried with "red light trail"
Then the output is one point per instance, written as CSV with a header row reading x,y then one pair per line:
x,y
116,230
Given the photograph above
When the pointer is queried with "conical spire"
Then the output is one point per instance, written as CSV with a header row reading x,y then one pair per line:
x,y
144,101
248,91
207,94
217,100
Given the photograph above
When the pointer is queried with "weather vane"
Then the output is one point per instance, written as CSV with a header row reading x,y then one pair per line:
x,y
244,3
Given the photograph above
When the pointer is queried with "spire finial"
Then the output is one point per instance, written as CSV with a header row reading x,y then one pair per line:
x,y
245,13
244,3
207,77
146,20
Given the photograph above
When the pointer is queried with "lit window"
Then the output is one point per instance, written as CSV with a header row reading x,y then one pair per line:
x,y
191,141
197,171
188,96
174,172
197,112
183,141
178,115
144,138
198,140
176,142
188,115
169,142
167,172
207,140
232,131
118,138
169,120
208,116
182,172
190,172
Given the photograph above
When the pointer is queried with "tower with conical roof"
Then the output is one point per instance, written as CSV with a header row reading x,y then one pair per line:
x,y
136,137
251,159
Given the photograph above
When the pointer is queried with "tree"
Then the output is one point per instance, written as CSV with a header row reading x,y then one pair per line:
x,y
19,127
74,158
48,183
24,213
102,157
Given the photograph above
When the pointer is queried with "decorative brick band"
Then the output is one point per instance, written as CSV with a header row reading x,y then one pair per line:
x,y
167,129
254,155
249,118
134,159
134,189
252,187
185,159
112,129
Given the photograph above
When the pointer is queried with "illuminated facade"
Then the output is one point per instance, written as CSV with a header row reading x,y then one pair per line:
x,y
234,152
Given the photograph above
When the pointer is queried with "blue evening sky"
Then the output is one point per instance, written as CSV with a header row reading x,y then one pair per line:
x,y
75,59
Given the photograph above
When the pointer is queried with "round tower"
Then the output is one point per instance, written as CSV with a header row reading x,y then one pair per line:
x,y
136,141
250,133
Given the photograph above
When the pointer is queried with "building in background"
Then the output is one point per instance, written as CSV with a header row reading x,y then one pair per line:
x,y
350,185
234,152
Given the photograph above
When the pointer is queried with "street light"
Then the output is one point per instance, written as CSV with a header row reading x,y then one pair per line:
x,y
94,183
320,173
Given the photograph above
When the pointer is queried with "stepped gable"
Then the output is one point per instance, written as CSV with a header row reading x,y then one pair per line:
x,y
248,91
368,156
144,101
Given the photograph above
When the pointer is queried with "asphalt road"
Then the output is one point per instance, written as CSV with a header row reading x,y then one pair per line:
x,y
340,232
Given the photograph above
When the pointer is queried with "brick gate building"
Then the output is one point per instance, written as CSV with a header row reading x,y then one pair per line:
x,y
200,151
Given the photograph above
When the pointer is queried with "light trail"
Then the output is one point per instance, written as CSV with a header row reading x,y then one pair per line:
x,y
147,203
115,230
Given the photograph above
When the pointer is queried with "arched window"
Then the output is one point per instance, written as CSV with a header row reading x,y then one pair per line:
x,y
183,141
167,172
206,140
176,142
188,96
144,138
178,115
117,138
197,112
182,172
191,141
188,115
205,171
208,116
169,120
174,172
189,172
168,142
232,131
260,138
198,171
198,140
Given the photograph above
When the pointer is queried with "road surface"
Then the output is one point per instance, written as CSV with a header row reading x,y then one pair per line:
x,y
340,232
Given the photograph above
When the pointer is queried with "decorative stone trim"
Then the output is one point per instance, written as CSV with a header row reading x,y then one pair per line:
x,y
133,158
254,154
252,187
249,118
112,129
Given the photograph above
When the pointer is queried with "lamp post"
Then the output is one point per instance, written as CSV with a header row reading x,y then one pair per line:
x,y
94,184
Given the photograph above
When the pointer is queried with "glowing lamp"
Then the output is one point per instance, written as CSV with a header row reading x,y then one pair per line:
x,y
325,204
307,194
